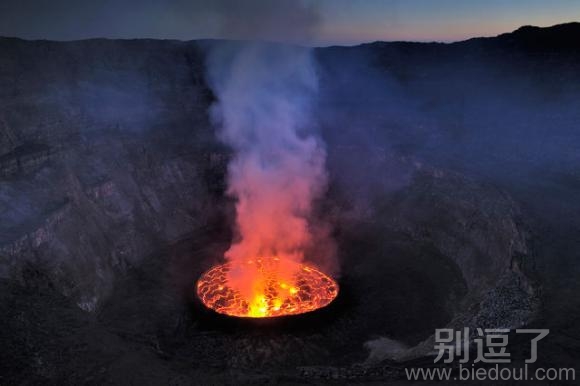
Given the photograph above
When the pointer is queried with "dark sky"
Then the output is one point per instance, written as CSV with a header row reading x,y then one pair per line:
x,y
315,22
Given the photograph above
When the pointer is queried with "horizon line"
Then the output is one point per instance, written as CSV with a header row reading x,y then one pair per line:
x,y
318,45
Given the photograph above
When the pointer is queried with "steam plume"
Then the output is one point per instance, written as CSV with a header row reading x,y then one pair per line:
x,y
265,92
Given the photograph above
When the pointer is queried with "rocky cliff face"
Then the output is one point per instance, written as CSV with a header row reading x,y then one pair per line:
x,y
469,235
105,154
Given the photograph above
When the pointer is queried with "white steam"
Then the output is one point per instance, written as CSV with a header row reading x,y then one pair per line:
x,y
265,94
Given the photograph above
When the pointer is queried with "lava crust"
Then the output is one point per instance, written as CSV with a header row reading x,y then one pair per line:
x,y
308,290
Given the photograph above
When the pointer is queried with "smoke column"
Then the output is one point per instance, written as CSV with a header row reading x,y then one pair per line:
x,y
265,92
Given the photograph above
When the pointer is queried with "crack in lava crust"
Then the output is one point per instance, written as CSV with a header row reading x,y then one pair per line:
x,y
309,290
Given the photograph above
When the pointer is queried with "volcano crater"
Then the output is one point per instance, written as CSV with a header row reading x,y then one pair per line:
x,y
416,263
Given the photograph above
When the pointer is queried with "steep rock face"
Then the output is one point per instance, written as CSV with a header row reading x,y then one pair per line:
x,y
476,225
85,231
476,228
481,230
54,92
105,153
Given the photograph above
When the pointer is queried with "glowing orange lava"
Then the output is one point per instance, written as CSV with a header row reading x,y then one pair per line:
x,y
306,290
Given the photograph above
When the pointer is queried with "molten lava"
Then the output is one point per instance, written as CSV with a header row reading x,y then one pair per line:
x,y
274,292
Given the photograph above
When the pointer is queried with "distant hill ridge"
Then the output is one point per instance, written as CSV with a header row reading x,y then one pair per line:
x,y
560,36
566,35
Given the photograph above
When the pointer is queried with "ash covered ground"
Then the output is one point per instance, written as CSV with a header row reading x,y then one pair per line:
x,y
453,196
